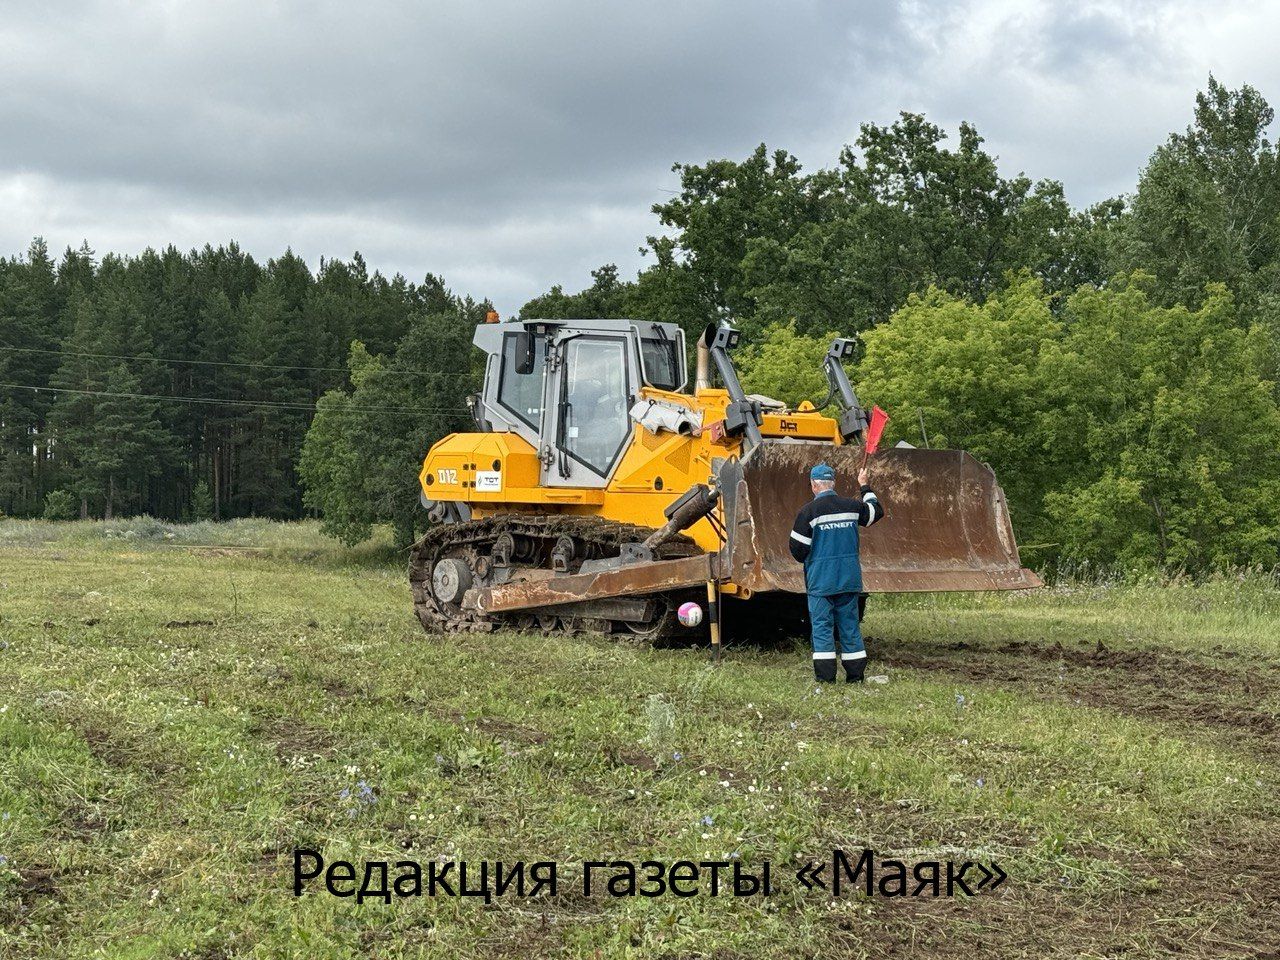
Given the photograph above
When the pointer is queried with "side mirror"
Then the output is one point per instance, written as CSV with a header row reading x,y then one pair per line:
x,y
525,353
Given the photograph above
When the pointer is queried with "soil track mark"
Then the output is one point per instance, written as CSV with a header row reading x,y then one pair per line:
x,y
1226,877
1240,702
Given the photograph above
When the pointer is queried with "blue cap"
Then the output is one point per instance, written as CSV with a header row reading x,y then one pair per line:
x,y
822,472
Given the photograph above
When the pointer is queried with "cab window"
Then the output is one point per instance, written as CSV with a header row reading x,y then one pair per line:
x,y
521,394
661,362
596,397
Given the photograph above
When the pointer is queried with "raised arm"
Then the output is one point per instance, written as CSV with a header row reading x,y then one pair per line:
x,y
870,509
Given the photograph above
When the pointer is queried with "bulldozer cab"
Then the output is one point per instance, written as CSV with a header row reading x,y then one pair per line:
x,y
567,386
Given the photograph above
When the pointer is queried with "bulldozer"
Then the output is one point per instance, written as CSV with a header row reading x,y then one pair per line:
x,y
598,494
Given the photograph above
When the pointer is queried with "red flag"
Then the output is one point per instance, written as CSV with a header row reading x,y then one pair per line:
x,y
878,419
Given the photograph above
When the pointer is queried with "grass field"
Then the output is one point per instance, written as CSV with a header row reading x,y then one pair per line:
x,y
181,708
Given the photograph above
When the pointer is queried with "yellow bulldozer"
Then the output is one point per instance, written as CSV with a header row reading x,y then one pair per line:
x,y
598,494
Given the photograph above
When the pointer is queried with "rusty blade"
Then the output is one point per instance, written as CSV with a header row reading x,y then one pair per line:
x,y
946,523
658,576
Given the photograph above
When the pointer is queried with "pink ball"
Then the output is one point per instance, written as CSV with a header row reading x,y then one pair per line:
x,y
690,614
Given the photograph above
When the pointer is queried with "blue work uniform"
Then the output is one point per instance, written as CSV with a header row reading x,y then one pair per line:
x,y
825,539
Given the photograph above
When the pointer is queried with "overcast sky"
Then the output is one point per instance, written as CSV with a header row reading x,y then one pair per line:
x,y
512,145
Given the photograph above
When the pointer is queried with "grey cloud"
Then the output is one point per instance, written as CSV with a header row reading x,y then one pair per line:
x,y
512,145
478,105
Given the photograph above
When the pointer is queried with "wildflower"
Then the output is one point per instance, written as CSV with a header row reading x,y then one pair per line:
x,y
344,793
677,756
980,782
708,821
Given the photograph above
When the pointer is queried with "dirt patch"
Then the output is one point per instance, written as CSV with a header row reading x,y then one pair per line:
x,y
497,727
36,882
1153,683
507,730
84,826
293,738
121,750
338,689
629,757
1216,900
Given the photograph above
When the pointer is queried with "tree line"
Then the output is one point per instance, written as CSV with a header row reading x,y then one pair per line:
x,y
1117,365
182,385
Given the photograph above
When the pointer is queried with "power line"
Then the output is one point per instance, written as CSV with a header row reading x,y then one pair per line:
x,y
270,404
212,363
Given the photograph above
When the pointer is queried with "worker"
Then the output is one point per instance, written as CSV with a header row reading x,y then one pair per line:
x,y
825,539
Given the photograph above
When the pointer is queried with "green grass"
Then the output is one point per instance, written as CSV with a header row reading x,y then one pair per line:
x,y
178,713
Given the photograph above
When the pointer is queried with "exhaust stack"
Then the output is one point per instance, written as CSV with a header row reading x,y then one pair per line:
x,y
702,376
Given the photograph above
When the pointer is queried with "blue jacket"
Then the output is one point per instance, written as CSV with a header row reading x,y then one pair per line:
x,y
825,540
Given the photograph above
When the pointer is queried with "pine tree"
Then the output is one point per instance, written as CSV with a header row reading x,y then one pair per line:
x,y
75,383
131,446
29,334
269,435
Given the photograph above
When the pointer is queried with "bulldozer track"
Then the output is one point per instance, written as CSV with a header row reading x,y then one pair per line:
x,y
473,543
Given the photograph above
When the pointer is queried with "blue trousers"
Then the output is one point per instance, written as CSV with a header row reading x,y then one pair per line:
x,y
830,617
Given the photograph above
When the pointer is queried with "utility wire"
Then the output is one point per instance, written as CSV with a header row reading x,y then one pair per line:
x,y
214,363
270,404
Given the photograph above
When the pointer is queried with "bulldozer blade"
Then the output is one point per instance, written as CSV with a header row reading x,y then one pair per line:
x,y
946,525
656,576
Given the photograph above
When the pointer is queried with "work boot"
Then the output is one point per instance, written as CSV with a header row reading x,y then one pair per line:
x,y
854,670
824,668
